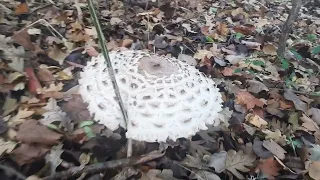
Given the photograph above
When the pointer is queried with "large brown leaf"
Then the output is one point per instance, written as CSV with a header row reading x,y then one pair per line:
x,y
245,98
26,153
32,132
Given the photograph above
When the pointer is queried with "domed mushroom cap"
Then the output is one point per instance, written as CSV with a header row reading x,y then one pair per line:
x,y
164,97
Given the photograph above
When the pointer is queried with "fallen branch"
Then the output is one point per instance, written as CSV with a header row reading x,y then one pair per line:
x,y
287,27
93,168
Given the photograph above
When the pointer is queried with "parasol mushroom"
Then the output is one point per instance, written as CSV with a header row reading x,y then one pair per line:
x,y
164,97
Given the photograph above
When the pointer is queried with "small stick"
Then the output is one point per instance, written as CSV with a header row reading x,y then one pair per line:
x,y
94,168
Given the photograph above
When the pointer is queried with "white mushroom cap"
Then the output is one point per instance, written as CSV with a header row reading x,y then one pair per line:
x,y
164,97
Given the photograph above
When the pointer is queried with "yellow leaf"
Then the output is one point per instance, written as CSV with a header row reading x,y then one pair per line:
x,y
256,120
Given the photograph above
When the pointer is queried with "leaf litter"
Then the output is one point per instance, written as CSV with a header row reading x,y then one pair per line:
x,y
269,101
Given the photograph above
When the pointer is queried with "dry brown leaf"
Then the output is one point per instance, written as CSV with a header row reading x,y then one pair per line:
x,y
309,124
45,76
126,43
314,170
22,8
245,29
314,113
256,120
298,104
223,29
269,49
27,153
258,111
76,109
228,71
23,38
248,100
274,148
239,161
32,132
256,86
56,54
270,167
284,104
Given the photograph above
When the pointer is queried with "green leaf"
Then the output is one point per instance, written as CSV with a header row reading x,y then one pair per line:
x,y
238,70
284,64
213,10
209,39
316,50
86,123
296,54
312,37
52,126
88,132
239,35
251,71
258,63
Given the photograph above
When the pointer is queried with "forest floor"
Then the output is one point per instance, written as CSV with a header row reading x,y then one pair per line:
x,y
271,109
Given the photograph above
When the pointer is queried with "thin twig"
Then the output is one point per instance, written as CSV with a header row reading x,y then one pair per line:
x,y
94,168
110,69
12,171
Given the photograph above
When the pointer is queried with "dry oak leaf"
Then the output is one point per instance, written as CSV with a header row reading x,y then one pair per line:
x,y
314,170
256,120
238,161
270,167
32,132
275,149
245,98
27,153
